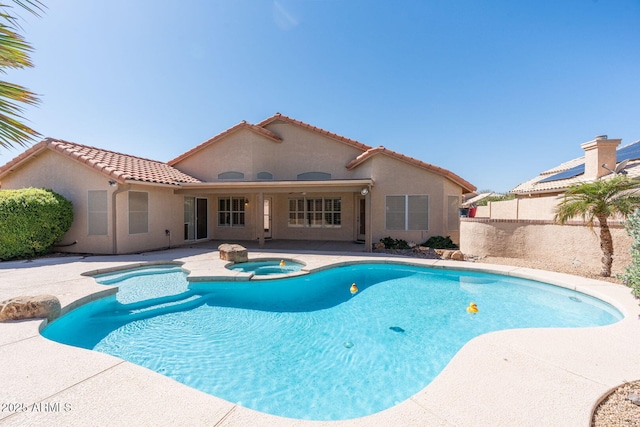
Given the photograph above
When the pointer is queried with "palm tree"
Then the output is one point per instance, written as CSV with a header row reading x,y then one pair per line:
x,y
14,54
600,200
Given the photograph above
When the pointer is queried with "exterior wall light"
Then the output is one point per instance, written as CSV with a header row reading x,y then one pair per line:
x,y
364,191
112,183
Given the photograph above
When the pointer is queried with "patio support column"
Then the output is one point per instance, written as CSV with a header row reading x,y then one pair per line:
x,y
260,219
368,239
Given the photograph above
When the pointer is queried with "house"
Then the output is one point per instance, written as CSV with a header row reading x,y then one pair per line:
x,y
277,179
537,198
524,227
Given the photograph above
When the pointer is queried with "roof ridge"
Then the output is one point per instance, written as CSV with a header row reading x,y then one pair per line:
x,y
243,124
62,141
279,116
120,166
411,160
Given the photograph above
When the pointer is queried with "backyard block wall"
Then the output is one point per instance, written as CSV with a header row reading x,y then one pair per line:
x,y
535,208
541,240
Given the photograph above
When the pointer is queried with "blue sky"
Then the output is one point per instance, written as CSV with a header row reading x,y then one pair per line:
x,y
495,91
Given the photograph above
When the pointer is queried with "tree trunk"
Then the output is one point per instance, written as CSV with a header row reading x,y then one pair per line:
x,y
606,244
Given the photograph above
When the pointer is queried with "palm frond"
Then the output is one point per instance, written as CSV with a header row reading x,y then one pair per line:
x,y
15,53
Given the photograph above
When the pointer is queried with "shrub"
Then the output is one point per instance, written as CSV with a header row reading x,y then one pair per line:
x,y
391,243
32,220
631,277
440,242
496,198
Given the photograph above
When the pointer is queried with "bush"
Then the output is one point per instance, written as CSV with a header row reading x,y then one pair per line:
x,y
631,277
440,242
496,198
32,221
391,243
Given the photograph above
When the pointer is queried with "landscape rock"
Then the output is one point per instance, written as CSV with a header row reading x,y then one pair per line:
x,y
30,307
457,256
379,246
233,252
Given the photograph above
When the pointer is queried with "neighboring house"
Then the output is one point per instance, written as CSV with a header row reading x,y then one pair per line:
x,y
280,179
524,227
537,198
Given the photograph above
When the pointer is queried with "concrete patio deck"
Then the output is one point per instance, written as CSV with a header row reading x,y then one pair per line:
x,y
534,377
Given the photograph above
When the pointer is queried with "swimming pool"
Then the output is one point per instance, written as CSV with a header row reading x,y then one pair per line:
x,y
305,347
267,267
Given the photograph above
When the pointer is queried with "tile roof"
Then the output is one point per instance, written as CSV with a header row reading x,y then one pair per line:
x,y
415,162
282,118
121,167
534,185
242,125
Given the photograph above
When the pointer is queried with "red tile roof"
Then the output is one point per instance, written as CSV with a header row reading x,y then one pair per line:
x,y
467,186
242,125
120,167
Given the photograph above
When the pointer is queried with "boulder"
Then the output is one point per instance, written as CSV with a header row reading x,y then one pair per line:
x,y
232,252
30,307
457,256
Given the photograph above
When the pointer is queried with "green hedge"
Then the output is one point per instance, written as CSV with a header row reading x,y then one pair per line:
x,y
32,220
631,277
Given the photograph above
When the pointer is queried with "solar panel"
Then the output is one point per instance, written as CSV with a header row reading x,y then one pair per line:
x,y
569,173
629,152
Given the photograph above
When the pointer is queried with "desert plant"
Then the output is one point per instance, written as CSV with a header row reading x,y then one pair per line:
x,y
440,242
631,276
600,200
32,221
391,243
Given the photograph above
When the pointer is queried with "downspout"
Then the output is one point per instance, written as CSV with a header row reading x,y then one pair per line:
x,y
114,216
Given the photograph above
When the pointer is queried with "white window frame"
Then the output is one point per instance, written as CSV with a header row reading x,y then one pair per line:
x,y
315,212
234,217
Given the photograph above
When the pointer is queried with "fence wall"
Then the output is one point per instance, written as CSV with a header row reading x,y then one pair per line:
x,y
542,240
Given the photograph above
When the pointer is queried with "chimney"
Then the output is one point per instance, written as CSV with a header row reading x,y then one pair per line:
x,y
598,152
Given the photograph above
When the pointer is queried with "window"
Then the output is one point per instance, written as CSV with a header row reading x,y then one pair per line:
x,y
453,217
317,213
314,176
97,213
407,212
231,175
265,175
189,218
231,211
138,212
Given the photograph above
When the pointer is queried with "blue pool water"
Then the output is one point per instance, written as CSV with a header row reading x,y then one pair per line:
x,y
305,347
267,267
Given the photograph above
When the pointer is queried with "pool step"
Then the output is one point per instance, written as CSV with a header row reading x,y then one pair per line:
x,y
154,307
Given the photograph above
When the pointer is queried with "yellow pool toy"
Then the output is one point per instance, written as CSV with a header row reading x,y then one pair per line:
x,y
353,289
282,263
473,308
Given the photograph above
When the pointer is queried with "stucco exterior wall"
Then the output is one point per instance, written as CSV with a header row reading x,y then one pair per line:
x,y
394,177
166,212
300,151
73,181
541,240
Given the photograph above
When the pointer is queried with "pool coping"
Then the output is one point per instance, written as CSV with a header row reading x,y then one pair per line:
x,y
513,377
